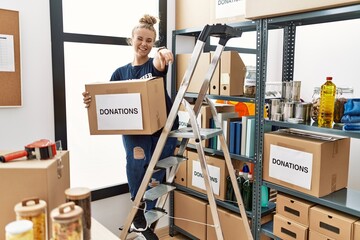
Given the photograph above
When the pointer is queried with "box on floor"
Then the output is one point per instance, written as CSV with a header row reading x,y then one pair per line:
x,y
22,179
314,164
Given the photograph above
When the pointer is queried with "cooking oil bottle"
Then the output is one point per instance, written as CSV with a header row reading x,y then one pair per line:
x,y
327,103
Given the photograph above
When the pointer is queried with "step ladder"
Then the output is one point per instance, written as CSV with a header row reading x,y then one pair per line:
x,y
193,131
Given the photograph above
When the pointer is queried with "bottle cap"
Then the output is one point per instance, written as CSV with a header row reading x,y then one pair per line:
x,y
241,173
328,78
245,168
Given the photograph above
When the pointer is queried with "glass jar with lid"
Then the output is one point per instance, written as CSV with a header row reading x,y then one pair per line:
x,y
342,95
19,230
250,82
315,104
33,209
67,222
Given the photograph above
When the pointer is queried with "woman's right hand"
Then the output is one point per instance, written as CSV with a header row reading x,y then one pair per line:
x,y
86,99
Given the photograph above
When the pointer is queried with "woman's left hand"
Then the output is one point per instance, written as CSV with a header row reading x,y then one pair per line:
x,y
165,57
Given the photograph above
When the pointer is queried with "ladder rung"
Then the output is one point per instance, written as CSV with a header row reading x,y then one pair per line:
x,y
158,191
170,161
187,132
153,215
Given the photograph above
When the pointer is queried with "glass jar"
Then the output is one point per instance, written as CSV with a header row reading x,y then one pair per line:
x,y
34,210
81,196
315,104
67,222
342,95
250,82
19,230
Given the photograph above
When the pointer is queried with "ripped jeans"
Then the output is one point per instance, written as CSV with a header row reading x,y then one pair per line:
x,y
139,150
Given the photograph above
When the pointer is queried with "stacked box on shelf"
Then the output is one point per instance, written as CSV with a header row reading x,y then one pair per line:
x,y
292,217
331,223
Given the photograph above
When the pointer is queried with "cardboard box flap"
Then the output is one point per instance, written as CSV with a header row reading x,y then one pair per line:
x,y
310,135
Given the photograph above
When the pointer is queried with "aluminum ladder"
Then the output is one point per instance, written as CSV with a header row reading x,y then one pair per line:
x,y
193,131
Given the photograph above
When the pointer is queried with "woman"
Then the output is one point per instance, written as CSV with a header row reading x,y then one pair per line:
x,y
139,148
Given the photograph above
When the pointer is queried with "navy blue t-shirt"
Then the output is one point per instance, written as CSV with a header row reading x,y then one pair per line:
x,y
147,70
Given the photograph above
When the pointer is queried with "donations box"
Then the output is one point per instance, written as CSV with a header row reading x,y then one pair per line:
x,y
127,107
310,163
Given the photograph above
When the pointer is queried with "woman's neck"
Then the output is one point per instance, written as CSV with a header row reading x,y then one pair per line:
x,y
140,61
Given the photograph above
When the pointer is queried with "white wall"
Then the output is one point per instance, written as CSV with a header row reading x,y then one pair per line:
x,y
35,119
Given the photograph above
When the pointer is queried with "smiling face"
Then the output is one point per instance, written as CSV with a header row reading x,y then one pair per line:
x,y
143,41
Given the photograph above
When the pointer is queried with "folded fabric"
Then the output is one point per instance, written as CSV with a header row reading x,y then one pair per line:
x,y
352,107
352,127
350,119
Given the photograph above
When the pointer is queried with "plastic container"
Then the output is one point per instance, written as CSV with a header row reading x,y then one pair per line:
x,y
327,103
315,104
342,95
250,82
67,222
19,230
229,190
34,210
240,181
247,192
81,196
264,196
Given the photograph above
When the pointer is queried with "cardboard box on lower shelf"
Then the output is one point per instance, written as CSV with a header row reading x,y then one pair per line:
x,y
357,230
285,228
21,178
332,223
315,164
314,235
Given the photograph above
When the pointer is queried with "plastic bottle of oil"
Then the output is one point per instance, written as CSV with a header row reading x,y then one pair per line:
x,y
327,103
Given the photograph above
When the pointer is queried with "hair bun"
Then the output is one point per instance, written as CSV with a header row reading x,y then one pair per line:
x,y
148,19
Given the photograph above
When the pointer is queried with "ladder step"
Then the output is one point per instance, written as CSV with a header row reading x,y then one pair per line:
x,y
170,161
153,215
158,191
187,132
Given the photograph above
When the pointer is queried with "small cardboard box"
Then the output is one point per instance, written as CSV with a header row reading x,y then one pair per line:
x,y
311,163
285,228
127,107
293,208
332,223
217,170
255,9
314,235
189,16
21,179
232,225
357,230
180,177
190,214
232,74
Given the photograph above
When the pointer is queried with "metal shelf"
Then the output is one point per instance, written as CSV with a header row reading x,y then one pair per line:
x,y
344,200
264,210
336,130
220,97
267,229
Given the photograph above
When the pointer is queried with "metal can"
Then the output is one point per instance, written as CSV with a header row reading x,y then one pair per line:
x,y
34,210
81,196
19,230
288,110
67,222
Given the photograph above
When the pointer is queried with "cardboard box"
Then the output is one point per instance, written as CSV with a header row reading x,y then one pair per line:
x,y
217,170
181,175
182,63
307,162
189,16
255,9
332,223
21,179
293,208
190,214
227,11
232,74
232,225
357,230
314,235
127,107
285,228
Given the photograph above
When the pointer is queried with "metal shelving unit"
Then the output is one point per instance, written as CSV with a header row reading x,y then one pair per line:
x,y
257,211
345,200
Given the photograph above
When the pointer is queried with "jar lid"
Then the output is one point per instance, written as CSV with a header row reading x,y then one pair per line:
x,y
345,89
77,193
30,206
18,227
66,211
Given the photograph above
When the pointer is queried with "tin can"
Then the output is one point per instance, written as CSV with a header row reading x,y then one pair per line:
x,y
288,110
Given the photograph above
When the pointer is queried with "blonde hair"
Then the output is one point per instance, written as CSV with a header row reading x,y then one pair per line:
x,y
147,21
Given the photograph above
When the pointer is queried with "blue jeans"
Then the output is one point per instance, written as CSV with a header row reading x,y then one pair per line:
x,y
139,150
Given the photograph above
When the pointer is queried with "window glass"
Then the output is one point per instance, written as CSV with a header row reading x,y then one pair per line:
x,y
97,161
107,18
